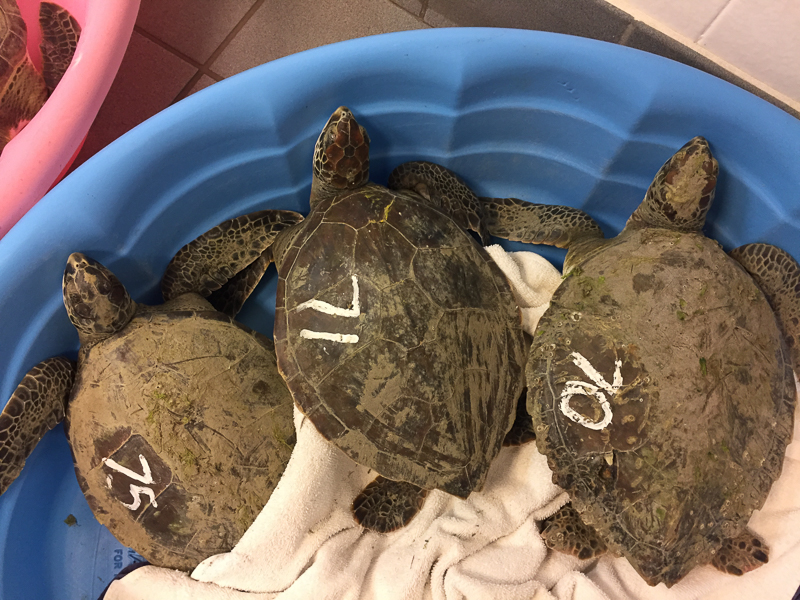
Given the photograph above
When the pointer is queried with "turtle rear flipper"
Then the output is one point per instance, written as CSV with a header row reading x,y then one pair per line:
x,y
778,275
386,505
224,252
521,431
230,298
741,554
565,532
36,406
444,190
60,34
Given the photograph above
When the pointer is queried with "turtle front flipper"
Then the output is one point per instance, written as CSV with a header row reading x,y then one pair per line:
x,y
36,406
777,273
223,254
565,532
521,221
444,190
741,554
386,505
22,90
60,34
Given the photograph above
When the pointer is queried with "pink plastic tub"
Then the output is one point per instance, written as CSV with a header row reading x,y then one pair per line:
x,y
38,157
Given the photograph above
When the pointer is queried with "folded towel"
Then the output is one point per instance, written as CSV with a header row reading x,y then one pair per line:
x,y
305,543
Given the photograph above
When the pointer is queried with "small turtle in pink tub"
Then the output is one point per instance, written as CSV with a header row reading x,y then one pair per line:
x,y
23,89
179,423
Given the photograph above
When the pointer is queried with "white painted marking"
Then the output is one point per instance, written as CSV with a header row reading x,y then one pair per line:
x,y
588,389
342,338
136,490
330,309
146,477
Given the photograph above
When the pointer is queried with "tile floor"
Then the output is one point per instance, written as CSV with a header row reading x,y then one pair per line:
x,y
181,46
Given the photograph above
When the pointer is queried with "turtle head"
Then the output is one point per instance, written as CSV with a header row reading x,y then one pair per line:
x,y
681,192
96,301
341,156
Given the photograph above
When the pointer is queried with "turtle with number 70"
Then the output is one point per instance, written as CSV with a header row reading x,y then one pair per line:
x,y
660,378
179,424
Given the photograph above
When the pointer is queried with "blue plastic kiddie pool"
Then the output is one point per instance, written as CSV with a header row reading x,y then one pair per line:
x,y
543,117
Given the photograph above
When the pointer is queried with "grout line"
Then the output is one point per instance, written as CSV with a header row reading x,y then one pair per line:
x,y
422,8
233,33
205,68
716,17
201,69
626,35
167,47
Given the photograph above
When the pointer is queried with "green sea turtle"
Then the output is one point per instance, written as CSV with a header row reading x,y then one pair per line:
x,y
660,378
179,424
23,90
397,335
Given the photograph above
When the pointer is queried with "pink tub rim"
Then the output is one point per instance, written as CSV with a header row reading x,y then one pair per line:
x,y
35,159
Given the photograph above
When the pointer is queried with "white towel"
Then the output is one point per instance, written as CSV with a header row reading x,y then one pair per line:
x,y
305,544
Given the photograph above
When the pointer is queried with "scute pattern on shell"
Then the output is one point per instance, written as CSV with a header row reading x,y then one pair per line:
x,y
452,196
429,300
704,450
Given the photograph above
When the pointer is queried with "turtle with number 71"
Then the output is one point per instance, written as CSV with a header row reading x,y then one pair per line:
x,y
660,378
179,424
396,333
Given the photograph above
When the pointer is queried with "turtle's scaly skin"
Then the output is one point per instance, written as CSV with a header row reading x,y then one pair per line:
x,y
409,380
23,90
516,220
199,397
40,397
60,34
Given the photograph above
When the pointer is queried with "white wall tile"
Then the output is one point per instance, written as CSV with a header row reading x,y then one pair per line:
x,y
688,17
761,37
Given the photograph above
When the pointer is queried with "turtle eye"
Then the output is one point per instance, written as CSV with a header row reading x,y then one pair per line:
x,y
117,294
103,285
82,310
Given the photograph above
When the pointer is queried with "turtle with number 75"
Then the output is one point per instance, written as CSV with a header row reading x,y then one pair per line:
x,y
660,378
179,424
